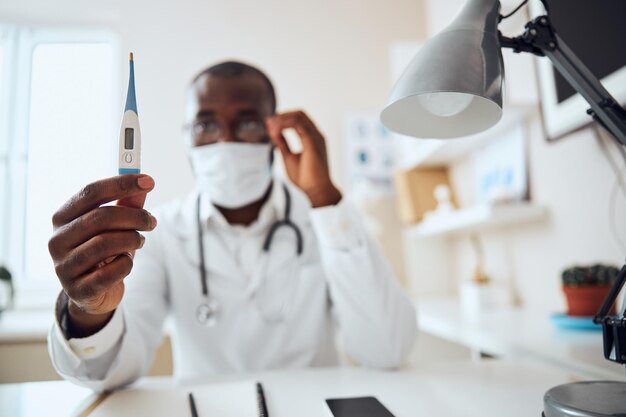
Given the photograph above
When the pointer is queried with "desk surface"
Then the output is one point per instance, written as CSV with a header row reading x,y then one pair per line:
x,y
516,332
485,388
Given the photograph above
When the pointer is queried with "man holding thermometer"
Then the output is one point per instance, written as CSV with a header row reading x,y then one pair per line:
x,y
255,272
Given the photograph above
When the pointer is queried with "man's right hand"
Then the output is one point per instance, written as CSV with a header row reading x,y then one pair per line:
x,y
93,247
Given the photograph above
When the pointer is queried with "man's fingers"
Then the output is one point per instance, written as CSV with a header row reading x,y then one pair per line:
x,y
279,140
101,192
309,134
94,283
135,201
97,221
297,117
97,252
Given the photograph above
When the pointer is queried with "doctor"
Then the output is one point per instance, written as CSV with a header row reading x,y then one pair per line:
x,y
256,273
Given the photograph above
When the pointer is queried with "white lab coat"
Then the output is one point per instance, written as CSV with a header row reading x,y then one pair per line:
x,y
340,285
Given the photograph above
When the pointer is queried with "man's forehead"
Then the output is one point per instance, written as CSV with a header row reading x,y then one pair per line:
x,y
215,90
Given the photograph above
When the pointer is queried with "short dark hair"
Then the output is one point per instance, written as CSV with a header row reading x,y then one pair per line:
x,y
231,69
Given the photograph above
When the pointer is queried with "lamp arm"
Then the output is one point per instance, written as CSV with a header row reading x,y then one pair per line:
x,y
613,328
541,39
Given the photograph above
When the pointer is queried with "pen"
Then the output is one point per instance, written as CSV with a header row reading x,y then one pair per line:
x,y
260,398
192,406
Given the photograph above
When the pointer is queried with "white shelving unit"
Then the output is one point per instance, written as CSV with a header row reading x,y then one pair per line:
x,y
434,152
429,244
482,217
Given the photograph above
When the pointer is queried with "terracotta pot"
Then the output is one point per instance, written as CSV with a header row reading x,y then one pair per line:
x,y
586,300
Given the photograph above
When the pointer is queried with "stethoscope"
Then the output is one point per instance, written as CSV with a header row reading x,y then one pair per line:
x,y
208,311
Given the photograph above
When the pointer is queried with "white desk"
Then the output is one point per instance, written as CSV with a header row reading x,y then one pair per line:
x,y
518,333
486,388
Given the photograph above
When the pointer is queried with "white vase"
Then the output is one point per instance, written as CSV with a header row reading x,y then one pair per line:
x,y
478,298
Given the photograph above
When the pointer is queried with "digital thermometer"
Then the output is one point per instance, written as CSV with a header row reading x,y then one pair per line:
x,y
130,135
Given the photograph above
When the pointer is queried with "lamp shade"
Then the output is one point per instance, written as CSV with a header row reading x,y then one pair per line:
x,y
453,86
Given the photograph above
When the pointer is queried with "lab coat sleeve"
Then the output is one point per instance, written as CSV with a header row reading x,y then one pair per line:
x,y
123,350
377,322
87,356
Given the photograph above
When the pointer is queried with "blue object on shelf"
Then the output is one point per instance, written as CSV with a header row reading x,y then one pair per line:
x,y
563,321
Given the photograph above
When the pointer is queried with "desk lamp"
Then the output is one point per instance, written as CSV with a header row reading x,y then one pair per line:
x,y
453,88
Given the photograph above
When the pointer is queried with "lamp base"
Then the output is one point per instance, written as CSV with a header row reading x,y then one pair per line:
x,y
586,399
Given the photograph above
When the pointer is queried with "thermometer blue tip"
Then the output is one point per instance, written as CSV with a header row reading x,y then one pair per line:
x,y
131,100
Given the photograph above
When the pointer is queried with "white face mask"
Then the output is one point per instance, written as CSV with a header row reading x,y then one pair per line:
x,y
233,174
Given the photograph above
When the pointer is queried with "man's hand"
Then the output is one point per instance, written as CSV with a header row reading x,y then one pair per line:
x,y
93,247
308,169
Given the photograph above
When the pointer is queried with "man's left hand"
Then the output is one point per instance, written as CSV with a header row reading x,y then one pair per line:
x,y
309,169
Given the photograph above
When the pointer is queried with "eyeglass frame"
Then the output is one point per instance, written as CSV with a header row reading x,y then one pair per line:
x,y
220,136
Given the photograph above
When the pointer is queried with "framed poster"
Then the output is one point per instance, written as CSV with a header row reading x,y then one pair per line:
x,y
370,151
595,31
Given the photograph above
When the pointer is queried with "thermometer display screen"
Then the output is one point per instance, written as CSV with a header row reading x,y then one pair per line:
x,y
129,138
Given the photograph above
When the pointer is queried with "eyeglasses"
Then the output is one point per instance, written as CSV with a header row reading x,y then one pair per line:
x,y
208,131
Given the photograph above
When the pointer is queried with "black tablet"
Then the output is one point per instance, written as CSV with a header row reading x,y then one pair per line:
x,y
357,407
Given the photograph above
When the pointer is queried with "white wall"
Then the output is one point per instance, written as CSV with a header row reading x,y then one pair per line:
x,y
327,57
573,180
571,177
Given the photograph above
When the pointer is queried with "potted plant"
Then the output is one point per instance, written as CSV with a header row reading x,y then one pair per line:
x,y
7,290
586,287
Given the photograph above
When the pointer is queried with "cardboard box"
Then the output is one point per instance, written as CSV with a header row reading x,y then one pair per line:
x,y
414,190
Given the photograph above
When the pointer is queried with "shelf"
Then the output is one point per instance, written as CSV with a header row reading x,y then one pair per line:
x,y
434,152
516,333
478,218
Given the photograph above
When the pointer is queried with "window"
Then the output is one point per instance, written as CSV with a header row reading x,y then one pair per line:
x,y
5,33
62,136
1,61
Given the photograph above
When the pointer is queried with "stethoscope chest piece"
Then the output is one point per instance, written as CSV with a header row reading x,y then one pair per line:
x,y
208,313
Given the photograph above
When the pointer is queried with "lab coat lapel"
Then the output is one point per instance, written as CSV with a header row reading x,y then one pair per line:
x,y
282,255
